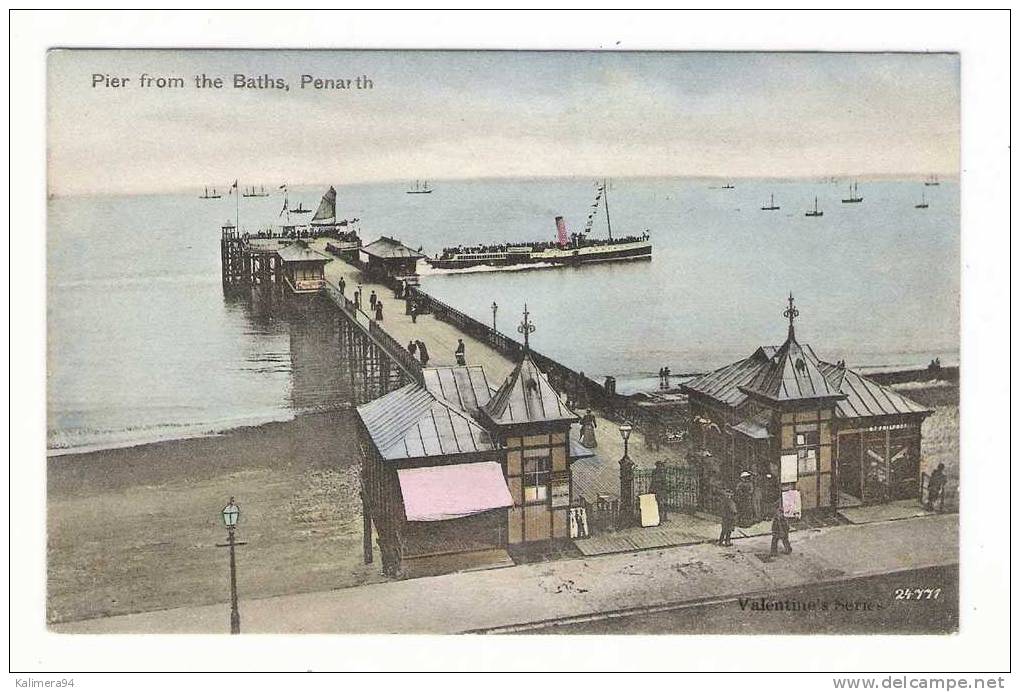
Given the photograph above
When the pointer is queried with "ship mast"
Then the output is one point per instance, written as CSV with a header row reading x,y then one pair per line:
x,y
605,198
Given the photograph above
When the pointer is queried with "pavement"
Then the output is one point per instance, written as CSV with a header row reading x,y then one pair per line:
x,y
590,586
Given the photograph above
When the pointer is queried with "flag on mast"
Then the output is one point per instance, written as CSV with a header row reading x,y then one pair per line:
x,y
232,188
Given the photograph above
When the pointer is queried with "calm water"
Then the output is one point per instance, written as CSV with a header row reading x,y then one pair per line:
x,y
143,344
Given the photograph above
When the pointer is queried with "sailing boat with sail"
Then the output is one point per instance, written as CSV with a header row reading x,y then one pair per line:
x,y
214,195
815,211
420,189
772,206
924,202
253,193
854,197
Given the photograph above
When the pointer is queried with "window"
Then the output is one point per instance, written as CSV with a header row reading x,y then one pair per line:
x,y
536,478
807,461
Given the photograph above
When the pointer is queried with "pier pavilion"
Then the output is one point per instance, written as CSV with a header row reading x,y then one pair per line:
x,y
838,437
457,473
387,257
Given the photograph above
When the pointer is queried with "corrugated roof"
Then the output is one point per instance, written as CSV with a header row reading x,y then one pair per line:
x,y
299,253
756,426
464,386
388,248
865,398
791,374
410,423
527,397
724,384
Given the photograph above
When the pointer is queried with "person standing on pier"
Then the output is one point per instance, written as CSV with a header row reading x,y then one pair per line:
x,y
459,353
378,310
665,377
588,425
343,285
371,299
414,312
357,297
423,354
412,347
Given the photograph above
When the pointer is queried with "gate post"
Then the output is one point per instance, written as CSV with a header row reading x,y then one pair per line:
x,y
626,517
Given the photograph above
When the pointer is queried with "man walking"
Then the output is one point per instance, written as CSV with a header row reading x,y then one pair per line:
x,y
780,530
423,354
727,515
378,310
459,353
371,299
937,488
414,312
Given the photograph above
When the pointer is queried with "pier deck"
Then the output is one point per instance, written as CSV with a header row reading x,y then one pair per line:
x,y
597,475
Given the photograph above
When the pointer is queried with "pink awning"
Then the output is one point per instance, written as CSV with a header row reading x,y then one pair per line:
x,y
435,493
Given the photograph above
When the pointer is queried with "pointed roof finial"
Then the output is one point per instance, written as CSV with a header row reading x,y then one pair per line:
x,y
526,327
790,313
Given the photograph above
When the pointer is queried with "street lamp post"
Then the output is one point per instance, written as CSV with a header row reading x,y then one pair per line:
x,y
626,479
230,514
494,308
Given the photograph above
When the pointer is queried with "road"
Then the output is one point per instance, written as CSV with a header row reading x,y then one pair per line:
x,y
856,606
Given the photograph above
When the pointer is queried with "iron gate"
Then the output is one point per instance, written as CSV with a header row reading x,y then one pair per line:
x,y
681,486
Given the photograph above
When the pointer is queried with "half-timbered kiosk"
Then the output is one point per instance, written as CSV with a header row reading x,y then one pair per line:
x,y
452,467
822,428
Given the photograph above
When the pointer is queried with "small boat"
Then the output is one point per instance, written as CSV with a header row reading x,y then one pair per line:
x,y
924,201
814,212
854,197
772,206
299,209
932,180
727,186
214,194
420,189
252,192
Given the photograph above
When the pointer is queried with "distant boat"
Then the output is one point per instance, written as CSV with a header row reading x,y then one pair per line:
x,y
420,189
252,193
214,194
300,209
932,180
772,204
854,197
924,201
727,186
815,211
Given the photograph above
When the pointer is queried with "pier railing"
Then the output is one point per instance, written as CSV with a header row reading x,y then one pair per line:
x,y
581,390
393,349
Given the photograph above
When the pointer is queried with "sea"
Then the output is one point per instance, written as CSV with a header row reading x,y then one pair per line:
x,y
143,344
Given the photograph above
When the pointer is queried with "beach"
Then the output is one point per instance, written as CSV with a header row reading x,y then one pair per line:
x,y
135,529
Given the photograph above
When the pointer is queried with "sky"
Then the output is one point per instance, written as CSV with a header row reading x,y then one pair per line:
x,y
451,115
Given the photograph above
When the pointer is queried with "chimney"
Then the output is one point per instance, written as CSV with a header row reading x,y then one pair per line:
x,y
561,232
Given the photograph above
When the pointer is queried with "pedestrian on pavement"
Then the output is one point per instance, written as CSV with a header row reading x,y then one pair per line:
x,y
588,425
423,354
658,487
459,352
371,299
744,498
727,513
412,347
780,530
772,493
937,488
378,310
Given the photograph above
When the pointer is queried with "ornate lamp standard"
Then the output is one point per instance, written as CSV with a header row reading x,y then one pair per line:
x,y
230,514
494,308
626,479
